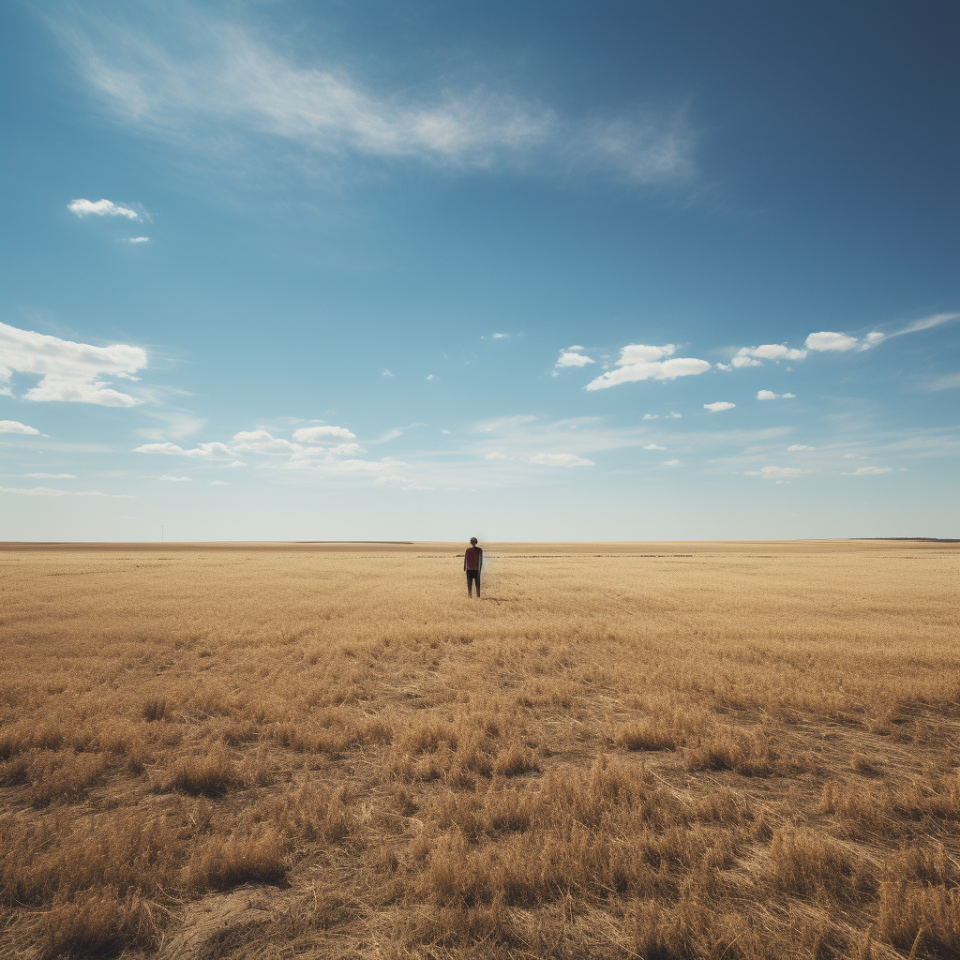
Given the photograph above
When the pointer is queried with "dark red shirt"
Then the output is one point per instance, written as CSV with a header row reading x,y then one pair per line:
x,y
473,558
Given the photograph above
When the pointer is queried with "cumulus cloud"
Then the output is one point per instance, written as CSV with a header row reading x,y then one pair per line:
x,y
794,447
259,441
202,451
324,434
69,371
570,358
101,208
868,471
827,341
777,473
751,356
653,446
770,395
560,460
638,361
14,426
51,492
51,476
718,406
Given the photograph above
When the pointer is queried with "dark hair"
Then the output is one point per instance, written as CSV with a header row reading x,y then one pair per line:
x,y
473,539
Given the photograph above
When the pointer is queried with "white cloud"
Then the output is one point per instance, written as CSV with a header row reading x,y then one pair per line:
x,y
653,446
430,376
14,426
576,346
770,395
560,460
325,434
794,447
777,473
51,476
386,372
639,361
718,406
751,356
868,471
139,240
203,451
570,359
51,492
826,341
167,476
674,416
501,336
259,441
671,463
926,323
69,371
219,483
232,83
651,416
102,208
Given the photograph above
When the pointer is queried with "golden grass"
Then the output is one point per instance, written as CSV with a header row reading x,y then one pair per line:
x,y
653,751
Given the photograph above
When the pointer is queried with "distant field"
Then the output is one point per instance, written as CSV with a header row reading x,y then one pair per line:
x,y
625,750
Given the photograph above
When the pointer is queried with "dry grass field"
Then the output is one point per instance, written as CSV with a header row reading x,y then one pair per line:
x,y
659,751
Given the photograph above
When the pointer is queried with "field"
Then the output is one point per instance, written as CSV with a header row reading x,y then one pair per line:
x,y
661,751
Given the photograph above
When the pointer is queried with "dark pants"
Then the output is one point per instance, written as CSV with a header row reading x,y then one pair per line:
x,y
473,575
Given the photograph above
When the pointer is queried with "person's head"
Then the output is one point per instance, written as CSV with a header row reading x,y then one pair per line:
x,y
473,540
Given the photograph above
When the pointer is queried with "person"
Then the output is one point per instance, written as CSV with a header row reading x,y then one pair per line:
x,y
473,564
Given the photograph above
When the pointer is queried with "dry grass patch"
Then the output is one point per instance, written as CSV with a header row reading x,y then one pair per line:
x,y
715,751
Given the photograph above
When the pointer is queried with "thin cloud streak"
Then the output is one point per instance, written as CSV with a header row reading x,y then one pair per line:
x,y
232,81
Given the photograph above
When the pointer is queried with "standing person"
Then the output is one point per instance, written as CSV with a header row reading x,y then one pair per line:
x,y
473,564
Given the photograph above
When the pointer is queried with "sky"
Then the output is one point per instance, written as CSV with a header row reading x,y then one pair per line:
x,y
287,270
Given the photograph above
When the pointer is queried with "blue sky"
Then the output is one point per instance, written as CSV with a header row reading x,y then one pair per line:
x,y
535,271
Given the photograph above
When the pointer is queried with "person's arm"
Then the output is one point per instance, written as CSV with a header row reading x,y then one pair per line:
x,y
480,559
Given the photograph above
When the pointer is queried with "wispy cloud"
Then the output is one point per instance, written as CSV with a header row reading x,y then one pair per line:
x,y
927,323
219,79
51,492
796,447
102,208
561,460
868,471
638,361
139,240
14,426
167,476
777,473
653,446
71,372
51,476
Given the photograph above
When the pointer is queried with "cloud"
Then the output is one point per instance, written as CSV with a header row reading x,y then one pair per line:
x,y
102,208
653,446
501,336
926,323
69,371
51,476
770,395
386,373
826,341
259,441
674,416
671,463
167,476
560,460
14,426
496,456
718,406
777,473
139,240
202,451
794,447
430,376
51,492
219,483
868,471
325,434
639,361
568,358
651,416
751,356
221,81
